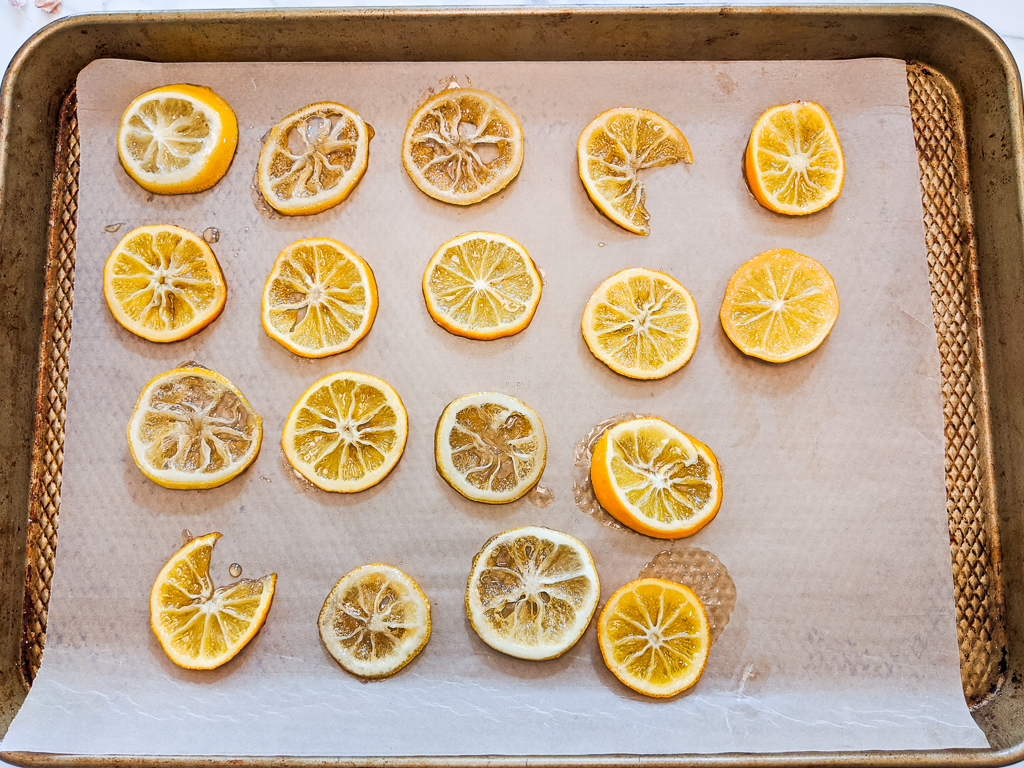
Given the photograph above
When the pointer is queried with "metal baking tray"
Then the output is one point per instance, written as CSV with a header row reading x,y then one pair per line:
x,y
965,96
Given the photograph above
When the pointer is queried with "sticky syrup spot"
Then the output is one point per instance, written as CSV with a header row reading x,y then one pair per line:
x,y
702,572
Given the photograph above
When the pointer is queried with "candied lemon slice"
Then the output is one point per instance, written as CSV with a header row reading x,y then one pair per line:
x,y
320,298
462,145
375,620
177,139
490,447
641,323
346,432
655,479
613,148
163,283
793,162
198,626
192,428
654,636
532,592
779,306
313,159
482,286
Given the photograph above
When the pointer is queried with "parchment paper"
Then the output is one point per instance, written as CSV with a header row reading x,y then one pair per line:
x,y
833,524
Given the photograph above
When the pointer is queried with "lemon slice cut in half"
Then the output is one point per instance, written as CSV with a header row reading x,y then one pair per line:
x,y
346,432
654,636
793,162
177,139
320,298
779,306
490,447
163,283
313,159
641,323
613,148
192,428
375,620
462,145
482,286
532,592
655,479
198,626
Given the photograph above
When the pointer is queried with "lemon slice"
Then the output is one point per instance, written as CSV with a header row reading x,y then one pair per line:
x,y
779,306
320,298
490,447
375,621
532,592
482,286
314,158
198,626
613,148
641,323
177,139
346,432
163,283
793,162
192,428
654,636
655,479
462,145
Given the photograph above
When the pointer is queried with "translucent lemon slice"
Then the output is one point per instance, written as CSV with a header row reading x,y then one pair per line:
x,y
490,447
346,432
779,306
320,298
313,159
793,162
482,286
177,139
655,479
641,323
613,148
198,626
192,428
654,637
462,145
375,621
532,592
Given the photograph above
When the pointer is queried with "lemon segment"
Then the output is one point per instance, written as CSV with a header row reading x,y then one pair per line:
x,y
375,621
779,306
177,139
482,286
163,283
532,592
654,637
198,626
613,148
655,479
490,447
346,432
320,298
462,145
313,159
641,323
192,428
793,161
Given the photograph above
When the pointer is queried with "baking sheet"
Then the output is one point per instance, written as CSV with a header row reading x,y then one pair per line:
x,y
833,524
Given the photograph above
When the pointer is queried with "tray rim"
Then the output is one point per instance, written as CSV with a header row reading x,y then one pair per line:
x,y
67,26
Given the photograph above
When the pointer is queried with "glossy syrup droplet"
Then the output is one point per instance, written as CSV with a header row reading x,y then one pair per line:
x,y
186,537
600,245
235,570
113,227
543,276
541,496
211,235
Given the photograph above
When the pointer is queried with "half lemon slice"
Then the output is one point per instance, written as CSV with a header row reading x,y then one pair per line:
x,y
198,626
192,428
613,148
177,139
532,592
313,159
346,432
